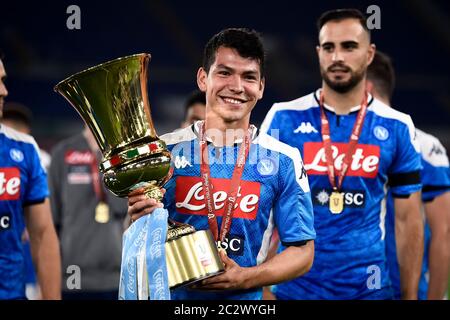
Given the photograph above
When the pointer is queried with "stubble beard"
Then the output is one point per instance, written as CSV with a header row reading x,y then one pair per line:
x,y
344,86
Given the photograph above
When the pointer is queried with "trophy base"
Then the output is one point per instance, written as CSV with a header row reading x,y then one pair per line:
x,y
193,281
191,258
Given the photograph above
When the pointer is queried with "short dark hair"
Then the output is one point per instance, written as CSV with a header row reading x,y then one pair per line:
x,y
245,41
381,73
195,96
342,14
17,112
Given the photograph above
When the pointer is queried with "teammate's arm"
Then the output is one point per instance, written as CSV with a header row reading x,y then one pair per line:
x,y
438,216
409,237
44,249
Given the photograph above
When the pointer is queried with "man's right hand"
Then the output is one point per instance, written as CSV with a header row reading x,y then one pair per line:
x,y
139,204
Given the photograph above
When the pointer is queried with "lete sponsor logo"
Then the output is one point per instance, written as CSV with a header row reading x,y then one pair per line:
x,y
78,157
9,183
365,161
190,197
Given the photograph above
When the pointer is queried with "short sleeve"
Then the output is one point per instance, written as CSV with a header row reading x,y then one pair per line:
x,y
404,172
37,188
435,174
293,210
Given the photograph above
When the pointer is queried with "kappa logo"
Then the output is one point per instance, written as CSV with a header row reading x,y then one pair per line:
x,y
365,160
306,127
181,162
16,155
190,197
437,150
303,174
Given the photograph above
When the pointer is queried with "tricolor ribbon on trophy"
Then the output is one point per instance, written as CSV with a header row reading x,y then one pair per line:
x,y
158,254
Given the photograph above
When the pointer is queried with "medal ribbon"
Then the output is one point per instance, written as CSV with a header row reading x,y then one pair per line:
x,y
326,137
234,185
96,179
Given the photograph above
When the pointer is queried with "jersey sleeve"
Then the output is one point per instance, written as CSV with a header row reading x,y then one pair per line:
x,y
404,172
272,121
435,180
37,189
169,197
435,174
293,211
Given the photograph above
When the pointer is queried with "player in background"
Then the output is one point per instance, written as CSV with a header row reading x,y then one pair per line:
x,y
435,177
353,147
194,108
272,189
19,117
24,203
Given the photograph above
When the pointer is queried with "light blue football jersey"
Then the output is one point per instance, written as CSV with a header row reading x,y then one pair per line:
x,y
273,192
435,177
350,260
23,181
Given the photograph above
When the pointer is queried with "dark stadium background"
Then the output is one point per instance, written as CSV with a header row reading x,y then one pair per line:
x,y
40,51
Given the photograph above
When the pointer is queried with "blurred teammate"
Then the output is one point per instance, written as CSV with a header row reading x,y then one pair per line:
x,y
435,177
194,108
269,177
353,147
19,117
88,218
24,202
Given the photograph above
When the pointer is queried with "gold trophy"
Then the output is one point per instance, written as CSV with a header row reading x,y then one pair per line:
x,y
112,100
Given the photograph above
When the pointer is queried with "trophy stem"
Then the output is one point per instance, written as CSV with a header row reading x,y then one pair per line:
x,y
175,229
154,192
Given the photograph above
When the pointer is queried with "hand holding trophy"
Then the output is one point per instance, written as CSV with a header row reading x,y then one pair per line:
x,y
112,100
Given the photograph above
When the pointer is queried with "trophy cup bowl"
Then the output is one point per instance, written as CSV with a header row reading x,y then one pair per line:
x,y
112,100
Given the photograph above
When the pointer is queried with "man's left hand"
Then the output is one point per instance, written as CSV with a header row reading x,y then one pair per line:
x,y
233,278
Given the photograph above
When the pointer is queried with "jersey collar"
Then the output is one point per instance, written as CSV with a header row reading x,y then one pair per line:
x,y
196,125
331,109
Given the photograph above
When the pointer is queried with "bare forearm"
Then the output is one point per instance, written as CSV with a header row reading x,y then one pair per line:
x,y
289,264
409,235
46,255
438,266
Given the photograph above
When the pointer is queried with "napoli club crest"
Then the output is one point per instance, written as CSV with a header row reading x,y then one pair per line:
x,y
267,167
381,133
16,155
